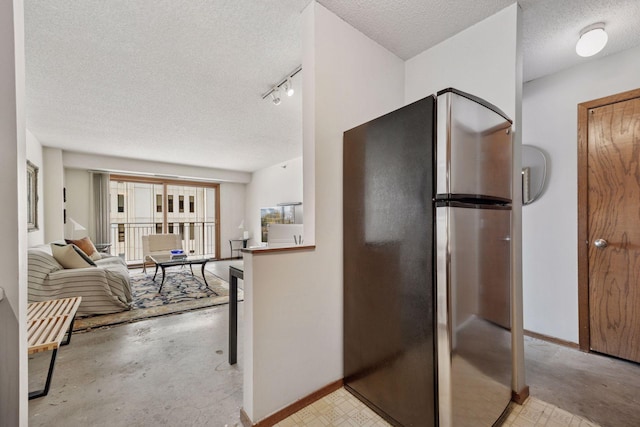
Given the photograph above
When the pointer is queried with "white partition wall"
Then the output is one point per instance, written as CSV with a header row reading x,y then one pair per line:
x,y
13,221
293,345
480,60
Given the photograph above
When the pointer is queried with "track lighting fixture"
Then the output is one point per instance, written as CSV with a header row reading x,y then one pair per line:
x,y
275,97
288,87
286,84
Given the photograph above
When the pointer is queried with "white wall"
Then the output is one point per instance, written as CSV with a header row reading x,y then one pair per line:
x,y
484,60
78,185
53,199
480,60
550,224
268,187
34,155
232,212
293,345
13,227
142,167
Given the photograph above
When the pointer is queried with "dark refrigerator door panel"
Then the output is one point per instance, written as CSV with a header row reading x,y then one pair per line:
x,y
473,150
389,359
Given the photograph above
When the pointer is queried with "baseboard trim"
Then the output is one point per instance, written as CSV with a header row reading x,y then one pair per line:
x,y
521,396
244,418
553,340
291,409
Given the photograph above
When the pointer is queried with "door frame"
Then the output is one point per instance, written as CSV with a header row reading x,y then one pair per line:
x,y
584,327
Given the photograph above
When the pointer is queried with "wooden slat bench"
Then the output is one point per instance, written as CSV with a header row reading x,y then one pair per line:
x,y
47,322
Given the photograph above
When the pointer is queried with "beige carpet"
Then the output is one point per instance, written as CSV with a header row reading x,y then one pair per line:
x,y
220,287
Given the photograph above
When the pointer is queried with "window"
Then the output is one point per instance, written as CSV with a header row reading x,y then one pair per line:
x,y
151,206
120,233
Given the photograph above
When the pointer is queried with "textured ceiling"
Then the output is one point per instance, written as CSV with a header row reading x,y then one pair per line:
x,y
175,81
551,29
180,80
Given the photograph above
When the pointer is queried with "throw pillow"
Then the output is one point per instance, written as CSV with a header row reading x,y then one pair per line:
x,y
86,245
70,256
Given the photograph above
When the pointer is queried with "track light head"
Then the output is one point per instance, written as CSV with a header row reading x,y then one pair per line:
x,y
275,97
289,87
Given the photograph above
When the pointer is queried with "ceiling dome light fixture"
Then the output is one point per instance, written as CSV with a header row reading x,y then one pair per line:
x,y
592,40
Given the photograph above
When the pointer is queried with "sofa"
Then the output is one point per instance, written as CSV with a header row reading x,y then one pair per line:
x,y
103,284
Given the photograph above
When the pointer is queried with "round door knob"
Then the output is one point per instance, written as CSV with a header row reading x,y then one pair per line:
x,y
600,243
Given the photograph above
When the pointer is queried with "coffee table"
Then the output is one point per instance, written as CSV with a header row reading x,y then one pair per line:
x,y
164,261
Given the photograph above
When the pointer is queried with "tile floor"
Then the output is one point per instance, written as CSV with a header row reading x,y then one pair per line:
x,y
341,408
535,412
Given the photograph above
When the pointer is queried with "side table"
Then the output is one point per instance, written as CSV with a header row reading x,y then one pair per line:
x,y
237,248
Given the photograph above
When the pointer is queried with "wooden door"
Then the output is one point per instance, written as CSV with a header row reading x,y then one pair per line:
x,y
613,233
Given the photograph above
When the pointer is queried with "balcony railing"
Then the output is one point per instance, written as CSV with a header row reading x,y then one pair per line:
x,y
198,238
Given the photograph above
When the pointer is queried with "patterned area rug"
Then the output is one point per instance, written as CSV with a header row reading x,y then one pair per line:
x,y
179,285
181,292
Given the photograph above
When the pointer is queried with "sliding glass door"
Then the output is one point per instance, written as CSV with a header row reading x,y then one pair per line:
x,y
143,206
191,212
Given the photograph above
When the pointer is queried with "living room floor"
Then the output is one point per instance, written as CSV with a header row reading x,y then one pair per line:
x,y
169,370
173,370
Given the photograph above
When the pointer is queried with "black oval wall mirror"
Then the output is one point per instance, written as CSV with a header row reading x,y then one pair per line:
x,y
534,173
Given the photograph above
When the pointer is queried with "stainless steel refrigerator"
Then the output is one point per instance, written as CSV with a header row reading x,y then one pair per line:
x,y
427,262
